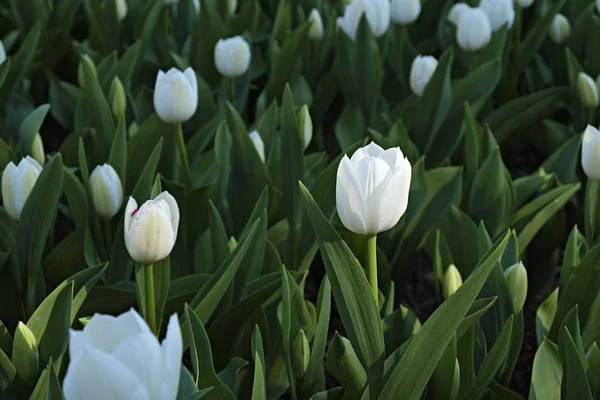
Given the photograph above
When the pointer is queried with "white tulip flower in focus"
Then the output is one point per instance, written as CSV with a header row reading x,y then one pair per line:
x,y
590,153
17,183
107,191
176,95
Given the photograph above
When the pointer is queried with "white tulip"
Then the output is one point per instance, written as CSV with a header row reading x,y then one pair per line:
x,y
516,280
474,30
305,126
588,90
232,56
405,12
121,9
258,143
560,30
176,95
37,149
590,153
500,12
17,183
598,5
421,71
525,3
151,230
315,32
372,189
119,358
2,52
377,13
107,191
456,11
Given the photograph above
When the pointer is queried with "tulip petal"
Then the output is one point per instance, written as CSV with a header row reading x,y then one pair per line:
x,y
173,208
95,375
132,206
370,173
349,200
190,75
172,350
159,78
394,201
10,179
393,157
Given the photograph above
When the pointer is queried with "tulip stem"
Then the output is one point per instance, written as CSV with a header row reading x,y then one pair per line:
x,y
372,267
107,236
232,91
187,173
150,307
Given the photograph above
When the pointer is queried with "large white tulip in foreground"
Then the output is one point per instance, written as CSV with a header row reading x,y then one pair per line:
x,y
590,153
372,189
107,191
377,13
119,358
151,230
17,183
176,95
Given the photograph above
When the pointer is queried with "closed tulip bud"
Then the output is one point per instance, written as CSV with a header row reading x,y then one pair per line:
x,y
259,145
107,191
151,230
89,63
516,280
176,95
452,281
560,30
590,153
301,354
2,53
37,149
232,57
315,32
372,189
474,30
456,11
117,98
119,358
232,244
121,9
421,71
25,353
405,12
377,13
231,6
525,3
588,90
500,12
17,183
305,126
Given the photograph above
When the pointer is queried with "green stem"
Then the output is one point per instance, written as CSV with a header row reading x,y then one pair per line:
x,y
372,267
187,173
150,306
107,236
232,91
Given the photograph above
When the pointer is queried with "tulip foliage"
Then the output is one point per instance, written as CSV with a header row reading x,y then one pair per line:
x,y
306,199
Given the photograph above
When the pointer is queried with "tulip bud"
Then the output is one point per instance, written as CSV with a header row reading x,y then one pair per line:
x,y
151,230
372,189
37,149
107,191
2,52
474,30
377,13
590,153
452,281
259,145
17,183
232,56
301,354
119,358
89,63
560,30
305,126
516,280
525,3
456,12
25,354
231,6
176,95
232,244
500,12
121,9
588,91
405,12
421,71
315,32
117,98
133,130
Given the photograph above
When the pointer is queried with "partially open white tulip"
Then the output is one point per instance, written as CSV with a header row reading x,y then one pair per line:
x,y
2,52
525,3
315,32
456,12
474,29
372,189
588,90
500,12
421,71
305,126
516,280
590,153
119,358
107,191
258,143
377,13
560,30
232,56
176,95
151,230
17,183
405,12
37,149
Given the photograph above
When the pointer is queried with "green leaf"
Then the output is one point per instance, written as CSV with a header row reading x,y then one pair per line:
x,y
576,382
53,343
143,186
30,126
117,157
345,366
7,371
259,386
